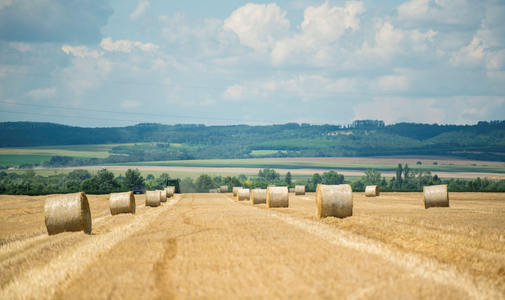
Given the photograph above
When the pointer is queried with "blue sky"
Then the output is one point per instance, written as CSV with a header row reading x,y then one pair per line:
x,y
98,63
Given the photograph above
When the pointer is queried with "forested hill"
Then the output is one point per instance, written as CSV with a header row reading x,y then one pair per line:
x,y
486,140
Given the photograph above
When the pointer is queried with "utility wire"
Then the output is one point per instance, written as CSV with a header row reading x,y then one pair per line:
x,y
131,113
248,89
118,120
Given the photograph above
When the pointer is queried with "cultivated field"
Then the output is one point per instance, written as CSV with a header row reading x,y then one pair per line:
x,y
211,246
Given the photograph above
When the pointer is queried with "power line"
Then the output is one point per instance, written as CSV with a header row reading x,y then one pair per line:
x,y
131,113
248,89
94,118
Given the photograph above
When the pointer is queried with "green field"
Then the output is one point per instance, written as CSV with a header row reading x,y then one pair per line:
x,y
36,155
282,164
265,152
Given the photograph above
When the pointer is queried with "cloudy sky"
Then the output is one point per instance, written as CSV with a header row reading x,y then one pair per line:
x,y
115,63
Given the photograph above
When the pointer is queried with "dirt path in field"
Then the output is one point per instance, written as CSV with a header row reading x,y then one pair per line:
x,y
211,246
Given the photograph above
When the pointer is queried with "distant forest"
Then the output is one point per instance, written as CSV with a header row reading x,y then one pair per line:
x,y
484,141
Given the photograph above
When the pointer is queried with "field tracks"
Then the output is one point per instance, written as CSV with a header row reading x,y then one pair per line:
x,y
419,266
42,282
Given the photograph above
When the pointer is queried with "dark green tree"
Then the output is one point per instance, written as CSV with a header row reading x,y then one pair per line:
x,y
288,178
316,179
372,177
398,183
268,174
106,181
132,178
333,178
204,183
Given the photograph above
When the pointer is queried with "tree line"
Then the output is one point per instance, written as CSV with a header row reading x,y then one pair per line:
x,y
104,181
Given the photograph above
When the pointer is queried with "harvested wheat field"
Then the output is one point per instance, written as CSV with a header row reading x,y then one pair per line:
x,y
212,246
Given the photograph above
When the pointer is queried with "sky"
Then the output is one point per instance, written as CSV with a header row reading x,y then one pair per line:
x,y
95,63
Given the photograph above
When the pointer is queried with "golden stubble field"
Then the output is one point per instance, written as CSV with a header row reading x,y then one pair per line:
x,y
211,246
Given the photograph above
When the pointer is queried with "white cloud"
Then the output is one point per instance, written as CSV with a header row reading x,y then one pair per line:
x,y
81,51
42,93
21,47
130,103
126,45
451,12
258,25
322,26
327,24
471,55
142,6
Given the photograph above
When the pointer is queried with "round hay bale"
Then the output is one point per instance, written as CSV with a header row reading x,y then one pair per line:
x,y
213,191
163,195
334,201
67,213
436,196
235,189
277,196
299,190
153,198
223,189
122,203
170,191
291,190
243,194
272,185
372,191
258,196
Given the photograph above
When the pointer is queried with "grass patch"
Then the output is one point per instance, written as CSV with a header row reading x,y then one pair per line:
x,y
265,152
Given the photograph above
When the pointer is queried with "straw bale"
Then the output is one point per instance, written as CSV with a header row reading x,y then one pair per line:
x,y
436,196
213,191
153,198
67,213
170,191
163,195
258,196
277,196
122,203
243,194
372,191
299,190
334,201
223,189
291,190
235,189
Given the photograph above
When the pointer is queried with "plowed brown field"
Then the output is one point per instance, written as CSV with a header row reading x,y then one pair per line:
x,y
211,246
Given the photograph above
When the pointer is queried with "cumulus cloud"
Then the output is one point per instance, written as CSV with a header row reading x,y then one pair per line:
x,y
258,25
43,93
53,21
130,103
430,12
81,51
126,45
322,26
142,6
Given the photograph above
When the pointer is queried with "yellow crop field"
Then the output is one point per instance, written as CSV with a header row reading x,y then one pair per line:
x,y
212,246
